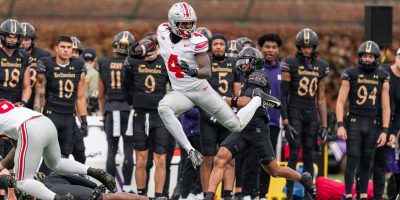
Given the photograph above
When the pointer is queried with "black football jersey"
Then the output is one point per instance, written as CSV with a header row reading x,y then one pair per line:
x,y
146,82
304,81
365,90
12,74
62,83
36,54
223,75
260,116
112,71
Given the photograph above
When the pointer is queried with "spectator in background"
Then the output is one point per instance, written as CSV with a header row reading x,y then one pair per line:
x,y
269,45
92,79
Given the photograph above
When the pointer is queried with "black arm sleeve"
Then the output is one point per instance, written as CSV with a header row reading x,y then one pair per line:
x,y
127,83
285,86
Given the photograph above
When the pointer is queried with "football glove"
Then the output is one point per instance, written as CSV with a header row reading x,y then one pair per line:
x,y
290,133
185,68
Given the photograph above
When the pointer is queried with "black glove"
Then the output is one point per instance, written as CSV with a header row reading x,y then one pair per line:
x,y
290,133
185,68
324,135
84,127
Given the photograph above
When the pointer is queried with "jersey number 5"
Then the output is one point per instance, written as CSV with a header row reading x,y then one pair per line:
x,y
173,66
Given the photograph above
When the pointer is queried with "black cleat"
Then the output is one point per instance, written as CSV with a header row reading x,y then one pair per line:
x,y
309,187
195,157
67,196
268,101
97,192
105,178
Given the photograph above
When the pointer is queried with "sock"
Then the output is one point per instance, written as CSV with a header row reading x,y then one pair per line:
x,y
127,188
226,193
142,192
239,194
158,194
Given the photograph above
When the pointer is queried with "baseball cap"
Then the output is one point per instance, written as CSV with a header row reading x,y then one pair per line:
x,y
89,54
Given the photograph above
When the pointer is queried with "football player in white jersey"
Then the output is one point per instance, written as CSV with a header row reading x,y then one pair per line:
x,y
33,135
185,55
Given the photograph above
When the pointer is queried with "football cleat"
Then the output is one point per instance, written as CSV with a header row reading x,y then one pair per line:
x,y
268,101
104,178
309,187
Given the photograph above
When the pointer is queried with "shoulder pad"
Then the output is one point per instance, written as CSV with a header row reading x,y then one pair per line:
x,y
384,75
200,42
258,78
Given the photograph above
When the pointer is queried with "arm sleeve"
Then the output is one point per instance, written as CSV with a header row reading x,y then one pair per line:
x,y
128,82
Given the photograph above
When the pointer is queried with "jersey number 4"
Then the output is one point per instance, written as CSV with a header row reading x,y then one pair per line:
x,y
173,66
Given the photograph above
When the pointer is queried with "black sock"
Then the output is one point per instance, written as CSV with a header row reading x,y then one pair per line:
x,y
158,194
226,193
142,192
239,194
210,195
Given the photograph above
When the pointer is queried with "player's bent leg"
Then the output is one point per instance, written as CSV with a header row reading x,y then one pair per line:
x,y
172,104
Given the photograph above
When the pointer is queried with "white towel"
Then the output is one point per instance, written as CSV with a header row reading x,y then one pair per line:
x,y
147,125
129,130
116,123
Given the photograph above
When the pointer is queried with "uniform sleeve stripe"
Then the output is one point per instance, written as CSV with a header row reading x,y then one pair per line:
x,y
166,25
201,46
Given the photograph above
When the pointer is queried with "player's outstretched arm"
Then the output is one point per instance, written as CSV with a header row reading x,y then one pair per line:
x,y
40,91
203,61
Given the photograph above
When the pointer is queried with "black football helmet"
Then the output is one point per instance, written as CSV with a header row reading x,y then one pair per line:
x,y
205,32
368,47
77,45
233,48
122,41
251,56
10,28
307,38
28,31
245,42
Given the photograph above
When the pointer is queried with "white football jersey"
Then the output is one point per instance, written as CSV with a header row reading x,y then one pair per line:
x,y
11,118
184,50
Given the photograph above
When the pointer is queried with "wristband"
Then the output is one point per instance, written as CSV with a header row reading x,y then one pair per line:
x,y
83,118
339,124
234,102
385,130
23,103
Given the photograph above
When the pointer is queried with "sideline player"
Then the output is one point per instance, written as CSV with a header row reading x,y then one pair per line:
x,y
60,83
145,85
250,62
226,81
28,43
113,106
365,85
303,80
185,55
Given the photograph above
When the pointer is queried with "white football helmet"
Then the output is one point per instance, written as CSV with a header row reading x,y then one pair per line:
x,y
182,12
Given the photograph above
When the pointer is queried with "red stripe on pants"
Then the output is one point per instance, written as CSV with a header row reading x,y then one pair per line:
x,y
21,161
